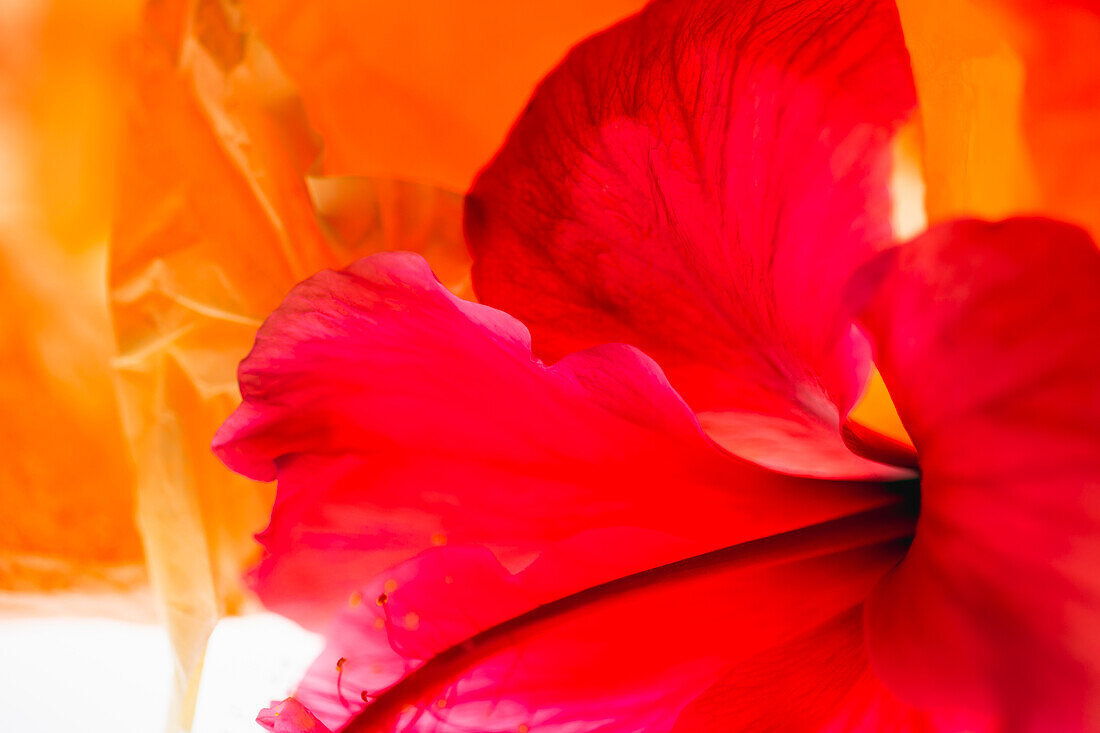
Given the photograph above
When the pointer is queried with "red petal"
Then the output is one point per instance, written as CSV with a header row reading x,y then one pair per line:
x,y
986,335
471,647
397,416
700,181
820,682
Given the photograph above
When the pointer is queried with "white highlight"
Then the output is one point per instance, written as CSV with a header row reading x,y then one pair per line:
x,y
96,675
908,217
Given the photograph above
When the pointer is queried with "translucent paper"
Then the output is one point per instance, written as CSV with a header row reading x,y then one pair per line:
x,y
217,218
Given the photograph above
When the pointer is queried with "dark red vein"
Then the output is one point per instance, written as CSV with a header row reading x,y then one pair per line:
x,y
891,523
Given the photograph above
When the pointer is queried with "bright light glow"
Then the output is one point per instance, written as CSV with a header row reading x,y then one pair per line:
x,y
908,217
250,661
94,675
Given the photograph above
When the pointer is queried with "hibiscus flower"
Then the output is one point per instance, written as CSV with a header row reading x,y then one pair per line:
x,y
633,457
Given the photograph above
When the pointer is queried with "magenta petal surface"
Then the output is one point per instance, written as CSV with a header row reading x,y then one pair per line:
x,y
397,416
443,645
700,181
986,335
290,716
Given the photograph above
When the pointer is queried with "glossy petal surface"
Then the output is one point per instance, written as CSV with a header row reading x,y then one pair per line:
x,y
986,337
699,181
397,416
453,642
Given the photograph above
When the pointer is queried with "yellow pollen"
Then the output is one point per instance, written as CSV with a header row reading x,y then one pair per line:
x,y
441,703
390,586
439,539
340,664
412,621
356,599
524,728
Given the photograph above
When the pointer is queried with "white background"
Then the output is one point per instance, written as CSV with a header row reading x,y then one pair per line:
x,y
63,675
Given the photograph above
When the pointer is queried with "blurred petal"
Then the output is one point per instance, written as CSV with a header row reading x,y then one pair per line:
x,y
456,643
986,337
699,181
216,221
1010,103
397,416
68,542
59,115
65,481
421,90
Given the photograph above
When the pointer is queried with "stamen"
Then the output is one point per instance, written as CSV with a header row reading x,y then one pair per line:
x,y
340,680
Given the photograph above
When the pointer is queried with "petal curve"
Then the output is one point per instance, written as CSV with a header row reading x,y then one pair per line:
x,y
986,336
397,416
700,181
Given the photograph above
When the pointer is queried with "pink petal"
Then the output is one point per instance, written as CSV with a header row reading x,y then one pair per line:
x,y
986,334
290,716
454,642
397,416
700,181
